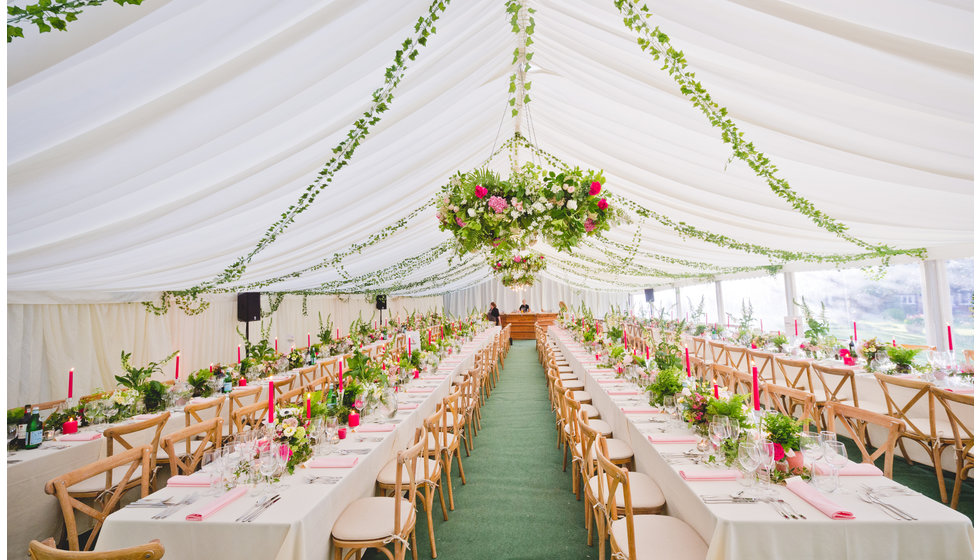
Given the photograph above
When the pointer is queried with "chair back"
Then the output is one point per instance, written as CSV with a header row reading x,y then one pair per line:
x,y
238,398
406,463
284,385
958,411
209,440
918,347
796,403
195,413
698,342
717,353
763,361
319,384
133,435
838,383
250,417
588,438
855,422
738,358
741,383
152,550
968,356
901,397
328,368
135,458
307,374
723,375
615,477
48,405
292,396
796,373
700,369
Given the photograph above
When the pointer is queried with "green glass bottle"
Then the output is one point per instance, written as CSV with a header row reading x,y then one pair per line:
x,y
35,431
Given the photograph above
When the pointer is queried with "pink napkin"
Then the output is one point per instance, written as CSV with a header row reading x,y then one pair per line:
x,y
216,505
623,393
432,377
852,469
610,380
640,410
408,406
672,439
600,371
813,497
332,462
140,417
709,474
364,428
419,390
196,479
80,436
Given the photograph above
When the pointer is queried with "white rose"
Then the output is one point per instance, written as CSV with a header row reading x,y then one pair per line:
x,y
288,431
471,213
686,392
572,205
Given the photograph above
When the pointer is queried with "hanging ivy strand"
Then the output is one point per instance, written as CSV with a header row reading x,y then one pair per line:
x,y
485,212
50,14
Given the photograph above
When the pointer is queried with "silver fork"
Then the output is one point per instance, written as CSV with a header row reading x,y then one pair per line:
x,y
790,509
777,507
172,509
876,500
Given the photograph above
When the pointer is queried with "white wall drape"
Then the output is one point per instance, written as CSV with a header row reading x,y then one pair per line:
x,y
45,341
544,295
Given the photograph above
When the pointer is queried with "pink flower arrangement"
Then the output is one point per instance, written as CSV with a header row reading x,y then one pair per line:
x,y
589,224
498,204
517,259
595,188
480,192
603,204
459,222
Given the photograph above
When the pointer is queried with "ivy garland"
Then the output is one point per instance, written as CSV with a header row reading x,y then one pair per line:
x,y
657,43
381,100
50,14
189,303
275,300
522,55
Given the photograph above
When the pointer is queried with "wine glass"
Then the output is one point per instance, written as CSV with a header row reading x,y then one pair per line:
x,y
835,454
811,447
669,407
767,457
718,432
749,457
211,464
268,465
824,437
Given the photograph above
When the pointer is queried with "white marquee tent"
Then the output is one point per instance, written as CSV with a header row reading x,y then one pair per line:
x,y
151,146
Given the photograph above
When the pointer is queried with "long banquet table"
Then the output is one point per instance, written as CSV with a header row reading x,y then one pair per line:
x,y
738,531
298,525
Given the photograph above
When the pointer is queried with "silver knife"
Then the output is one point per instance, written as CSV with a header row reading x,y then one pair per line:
x,y
264,507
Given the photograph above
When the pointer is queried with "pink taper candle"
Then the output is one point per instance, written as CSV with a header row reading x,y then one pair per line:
x,y
177,368
409,347
239,353
308,344
277,344
949,336
687,360
71,381
893,343
308,407
755,388
272,402
715,383
796,328
340,375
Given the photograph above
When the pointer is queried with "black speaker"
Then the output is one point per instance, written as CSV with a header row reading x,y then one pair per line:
x,y
381,301
649,293
249,306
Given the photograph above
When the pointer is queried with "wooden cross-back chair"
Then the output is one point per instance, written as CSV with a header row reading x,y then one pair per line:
x,y
968,356
796,403
283,385
128,436
95,397
741,383
796,373
292,396
699,343
46,550
48,405
362,525
957,409
250,417
198,412
319,384
901,397
239,398
205,435
132,462
838,383
918,347
856,422
738,358
716,353
763,361
328,368
700,369
723,375
306,375
438,441
452,424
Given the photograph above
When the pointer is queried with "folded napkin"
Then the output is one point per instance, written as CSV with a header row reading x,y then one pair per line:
x,y
419,390
432,377
600,370
196,479
140,417
408,406
672,439
80,436
332,462
708,474
363,428
214,506
640,410
623,393
852,469
610,380
813,497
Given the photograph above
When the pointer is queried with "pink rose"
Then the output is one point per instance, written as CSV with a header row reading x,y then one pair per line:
x,y
517,259
589,224
778,452
603,204
595,188
459,222
498,204
480,192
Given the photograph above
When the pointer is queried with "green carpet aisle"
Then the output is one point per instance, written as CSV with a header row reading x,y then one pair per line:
x,y
517,503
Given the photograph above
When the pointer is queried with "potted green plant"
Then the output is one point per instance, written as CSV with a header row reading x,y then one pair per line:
x,y
667,383
152,393
784,432
903,358
780,341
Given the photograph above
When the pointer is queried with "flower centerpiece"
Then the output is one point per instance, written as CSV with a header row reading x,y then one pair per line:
x,y
151,392
517,271
667,383
869,350
694,403
784,432
290,431
903,358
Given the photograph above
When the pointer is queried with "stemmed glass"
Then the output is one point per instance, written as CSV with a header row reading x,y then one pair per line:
x,y
767,457
268,465
669,407
824,437
750,458
811,447
719,430
835,454
211,464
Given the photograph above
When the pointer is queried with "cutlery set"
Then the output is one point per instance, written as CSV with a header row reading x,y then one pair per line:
x,y
258,508
781,506
871,496
173,507
313,479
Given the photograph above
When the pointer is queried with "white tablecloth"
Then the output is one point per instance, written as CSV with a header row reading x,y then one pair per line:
x,y
739,531
299,525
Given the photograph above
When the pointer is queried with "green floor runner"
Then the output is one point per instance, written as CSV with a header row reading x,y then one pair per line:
x,y
517,503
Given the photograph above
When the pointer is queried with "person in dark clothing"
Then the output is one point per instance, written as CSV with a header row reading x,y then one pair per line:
x,y
524,306
494,314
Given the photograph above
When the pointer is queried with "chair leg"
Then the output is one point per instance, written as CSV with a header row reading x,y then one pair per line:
x,y
449,480
937,455
957,486
901,445
415,548
442,500
459,461
428,514
588,520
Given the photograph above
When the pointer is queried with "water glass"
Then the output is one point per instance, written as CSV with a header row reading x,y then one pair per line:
x,y
211,464
835,454
749,458
811,447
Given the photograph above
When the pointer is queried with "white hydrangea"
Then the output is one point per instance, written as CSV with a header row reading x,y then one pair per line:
x,y
572,204
471,213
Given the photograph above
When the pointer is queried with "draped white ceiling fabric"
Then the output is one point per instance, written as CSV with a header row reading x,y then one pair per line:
x,y
151,146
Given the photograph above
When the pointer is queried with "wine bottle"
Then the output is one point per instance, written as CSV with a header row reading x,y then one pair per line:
x,y
35,431
226,387
852,349
21,439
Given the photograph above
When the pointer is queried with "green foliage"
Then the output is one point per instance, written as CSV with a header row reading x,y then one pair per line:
x,y
50,14
56,419
200,383
817,328
666,357
733,407
784,430
780,341
136,378
614,333
325,333
903,358
154,396
14,415
667,383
